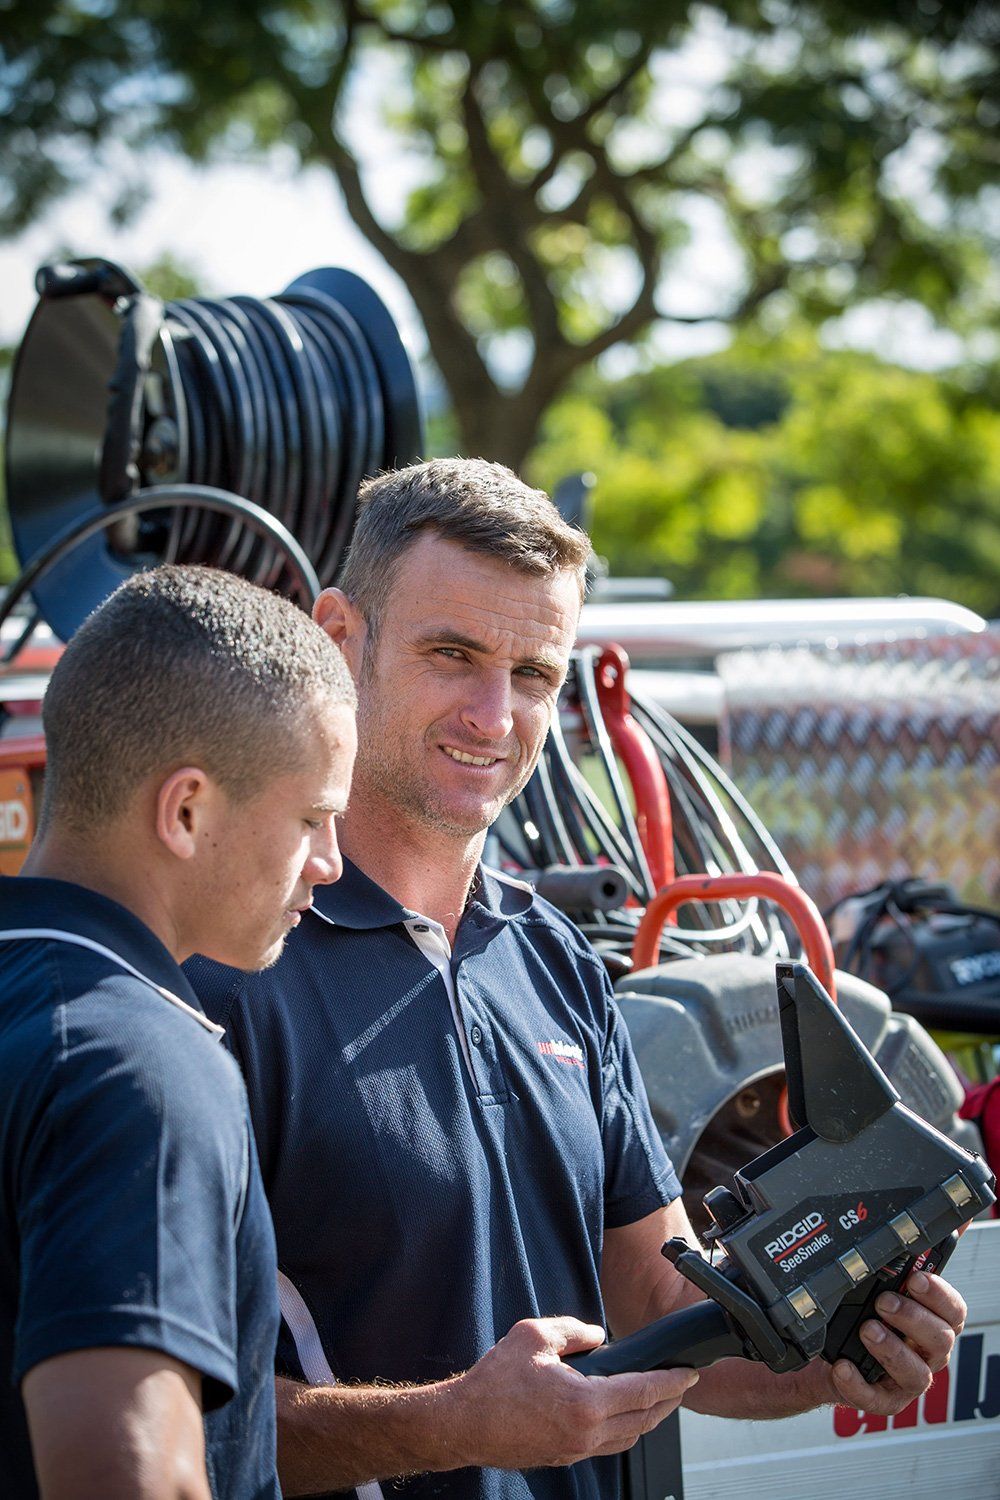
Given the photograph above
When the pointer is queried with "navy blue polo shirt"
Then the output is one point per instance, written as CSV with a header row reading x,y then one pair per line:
x,y
131,1210
437,1173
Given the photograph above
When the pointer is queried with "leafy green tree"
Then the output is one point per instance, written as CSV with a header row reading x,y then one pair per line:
x,y
555,155
866,479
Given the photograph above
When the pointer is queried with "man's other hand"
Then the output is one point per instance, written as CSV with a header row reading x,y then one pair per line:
x,y
912,1339
520,1407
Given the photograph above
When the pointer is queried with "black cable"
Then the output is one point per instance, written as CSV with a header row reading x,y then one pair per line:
x,y
608,838
904,926
676,733
560,818
957,909
704,826
685,760
166,498
856,956
562,844
562,791
543,815
607,932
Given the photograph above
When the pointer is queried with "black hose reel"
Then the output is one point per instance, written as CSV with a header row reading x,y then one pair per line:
x,y
288,402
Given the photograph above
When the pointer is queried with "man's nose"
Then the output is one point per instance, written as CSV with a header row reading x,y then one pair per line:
x,y
489,711
325,863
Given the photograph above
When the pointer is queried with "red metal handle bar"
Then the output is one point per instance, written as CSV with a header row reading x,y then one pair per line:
x,y
635,750
801,908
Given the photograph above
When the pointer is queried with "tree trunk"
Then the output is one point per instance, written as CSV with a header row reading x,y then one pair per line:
x,y
503,429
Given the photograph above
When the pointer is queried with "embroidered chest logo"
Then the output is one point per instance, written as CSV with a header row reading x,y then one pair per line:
x,y
564,1052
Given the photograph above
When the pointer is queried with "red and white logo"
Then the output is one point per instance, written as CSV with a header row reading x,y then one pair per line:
x,y
853,1217
799,1234
564,1052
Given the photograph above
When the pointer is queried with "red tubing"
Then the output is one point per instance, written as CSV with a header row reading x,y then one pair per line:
x,y
801,908
634,749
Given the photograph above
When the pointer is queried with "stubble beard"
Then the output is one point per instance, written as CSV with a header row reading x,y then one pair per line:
x,y
390,777
269,958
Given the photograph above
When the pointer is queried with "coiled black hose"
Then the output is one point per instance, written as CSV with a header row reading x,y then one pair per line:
x,y
288,401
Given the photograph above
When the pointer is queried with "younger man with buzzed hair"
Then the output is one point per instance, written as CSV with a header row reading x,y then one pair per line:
x,y
441,1176
200,736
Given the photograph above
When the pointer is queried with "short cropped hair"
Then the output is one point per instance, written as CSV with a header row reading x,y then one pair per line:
x,y
182,666
482,506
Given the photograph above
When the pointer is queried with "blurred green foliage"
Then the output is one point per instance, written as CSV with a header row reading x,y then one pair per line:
x,y
555,154
170,278
780,469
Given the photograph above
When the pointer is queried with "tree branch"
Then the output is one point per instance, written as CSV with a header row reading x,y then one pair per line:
x,y
627,76
430,276
503,200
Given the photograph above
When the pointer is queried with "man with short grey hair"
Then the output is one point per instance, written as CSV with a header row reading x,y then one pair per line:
x,y
200,737
454,1137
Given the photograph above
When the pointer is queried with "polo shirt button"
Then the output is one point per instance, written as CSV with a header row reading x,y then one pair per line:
x,y
476,1035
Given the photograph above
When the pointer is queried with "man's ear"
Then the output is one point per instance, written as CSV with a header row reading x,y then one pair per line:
x,y
344,624
183,805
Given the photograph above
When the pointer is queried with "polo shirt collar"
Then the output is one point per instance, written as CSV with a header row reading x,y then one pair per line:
x,y
501,896
28,901
355,901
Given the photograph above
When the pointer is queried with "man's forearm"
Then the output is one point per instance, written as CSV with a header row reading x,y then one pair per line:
x,y
518,1407
333,1437
744,1389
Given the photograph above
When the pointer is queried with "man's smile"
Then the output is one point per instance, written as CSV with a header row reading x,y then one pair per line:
x,y
465,758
